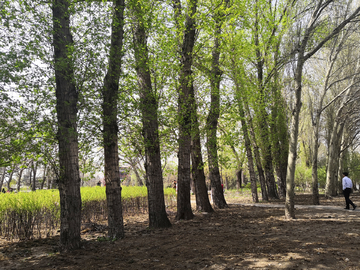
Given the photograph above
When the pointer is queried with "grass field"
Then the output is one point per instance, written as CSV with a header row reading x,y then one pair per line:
x,y
28,215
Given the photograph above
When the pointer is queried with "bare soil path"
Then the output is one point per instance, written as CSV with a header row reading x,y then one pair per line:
x,y
243,236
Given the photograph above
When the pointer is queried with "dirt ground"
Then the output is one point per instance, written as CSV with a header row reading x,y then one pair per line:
x,y
243,236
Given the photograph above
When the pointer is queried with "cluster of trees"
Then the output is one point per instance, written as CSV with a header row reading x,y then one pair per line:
x,y
241,84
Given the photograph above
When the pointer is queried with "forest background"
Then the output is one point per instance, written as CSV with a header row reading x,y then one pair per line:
x,y
201,92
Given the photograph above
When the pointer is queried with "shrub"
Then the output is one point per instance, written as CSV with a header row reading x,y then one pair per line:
x,y
27,215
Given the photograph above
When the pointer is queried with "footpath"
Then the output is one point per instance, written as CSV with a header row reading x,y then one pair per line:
x,y
320,207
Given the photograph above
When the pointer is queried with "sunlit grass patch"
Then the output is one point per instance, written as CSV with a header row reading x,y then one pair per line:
x,y
27,215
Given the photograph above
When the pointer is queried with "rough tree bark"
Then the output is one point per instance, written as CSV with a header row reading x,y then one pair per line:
x,y
257,156
2,178
9,180
66,108
202,198
213,117
34,171
19,179
185,102
149,110
110,96
249,155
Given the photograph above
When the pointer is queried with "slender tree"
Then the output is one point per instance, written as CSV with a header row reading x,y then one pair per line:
x,y
185,101
201,191
302,53
66,107
110,96
214,112
149,110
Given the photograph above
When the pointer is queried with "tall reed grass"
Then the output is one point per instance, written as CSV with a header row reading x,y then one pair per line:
x,y
29,215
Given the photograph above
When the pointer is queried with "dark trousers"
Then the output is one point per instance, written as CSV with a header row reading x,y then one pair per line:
x,y
346,193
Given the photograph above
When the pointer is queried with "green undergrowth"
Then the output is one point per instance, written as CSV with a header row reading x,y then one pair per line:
x,y
30,215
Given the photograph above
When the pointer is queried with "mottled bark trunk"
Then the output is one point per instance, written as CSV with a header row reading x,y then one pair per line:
x,y
239,179
340,171
30,176
34,171
250,159
66,108
294,131
202,198
149,110
257,156
19,179
110,95
184,210
2,178
269,175
333,159
281,180
212,120
314,171
249,154
9,180
280,139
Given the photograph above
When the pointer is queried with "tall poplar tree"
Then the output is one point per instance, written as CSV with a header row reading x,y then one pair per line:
x,y
149,111
110,94
185,101
66,107
214,112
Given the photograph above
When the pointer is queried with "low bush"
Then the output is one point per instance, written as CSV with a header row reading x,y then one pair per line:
x,y
29,215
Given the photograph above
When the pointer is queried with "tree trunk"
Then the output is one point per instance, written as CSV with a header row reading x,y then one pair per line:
x,y
110,127
30,176
34,170
341,169
139,179
44,178
333,159
149,110
66,107
281,179
10,178
2,178
264,192
294,131
249,155
279,132
202,198
213,117
314,171
239,179
269,175
185,102
247,143
19,180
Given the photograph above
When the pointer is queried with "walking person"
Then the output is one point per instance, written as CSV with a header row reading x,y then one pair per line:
x,y
347,188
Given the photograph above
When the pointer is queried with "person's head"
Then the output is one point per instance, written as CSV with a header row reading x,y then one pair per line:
x,y
345,173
